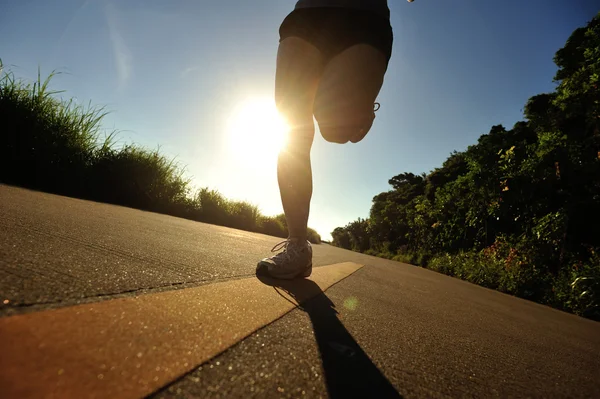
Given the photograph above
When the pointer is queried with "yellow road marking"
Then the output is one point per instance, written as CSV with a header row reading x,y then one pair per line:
x,y
130,347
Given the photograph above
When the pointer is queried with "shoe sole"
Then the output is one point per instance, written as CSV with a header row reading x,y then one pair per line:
x,y
303,274
308,271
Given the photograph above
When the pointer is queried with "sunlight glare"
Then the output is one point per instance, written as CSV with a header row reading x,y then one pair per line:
x,y
256,129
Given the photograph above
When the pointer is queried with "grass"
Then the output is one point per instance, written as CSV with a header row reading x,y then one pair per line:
x,y
55,145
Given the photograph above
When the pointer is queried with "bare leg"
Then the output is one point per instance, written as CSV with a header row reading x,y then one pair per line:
x,y
299,66
347,91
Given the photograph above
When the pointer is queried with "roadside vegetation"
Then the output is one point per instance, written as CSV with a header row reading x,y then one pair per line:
x,y
59,146
519,211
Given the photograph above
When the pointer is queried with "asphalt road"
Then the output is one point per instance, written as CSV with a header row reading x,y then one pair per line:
x,y
388,330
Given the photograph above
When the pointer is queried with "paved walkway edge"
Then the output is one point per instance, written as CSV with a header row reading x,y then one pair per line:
x,y
130,347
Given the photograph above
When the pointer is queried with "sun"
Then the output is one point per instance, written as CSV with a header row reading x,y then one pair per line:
x,y
256,129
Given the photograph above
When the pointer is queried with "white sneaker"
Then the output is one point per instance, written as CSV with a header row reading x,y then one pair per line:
x,y
294,261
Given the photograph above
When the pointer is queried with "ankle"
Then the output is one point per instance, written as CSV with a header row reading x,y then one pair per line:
x,y
297,239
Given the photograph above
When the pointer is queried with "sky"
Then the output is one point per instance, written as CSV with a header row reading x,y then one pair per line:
x,y
180,75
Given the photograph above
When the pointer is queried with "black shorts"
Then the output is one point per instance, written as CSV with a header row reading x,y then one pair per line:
x,y
333,30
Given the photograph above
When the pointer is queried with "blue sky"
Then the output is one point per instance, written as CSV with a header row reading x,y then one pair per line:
x,y
174,72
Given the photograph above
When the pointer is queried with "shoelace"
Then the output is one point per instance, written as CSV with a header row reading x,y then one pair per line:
x,y
287,248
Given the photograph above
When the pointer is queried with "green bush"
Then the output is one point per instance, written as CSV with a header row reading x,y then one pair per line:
x,y
578,289
313,236
400,257
135,177
272,226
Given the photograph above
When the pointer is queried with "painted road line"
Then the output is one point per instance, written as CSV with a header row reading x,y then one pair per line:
x,y
130,347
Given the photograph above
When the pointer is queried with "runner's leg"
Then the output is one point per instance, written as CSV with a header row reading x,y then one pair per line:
x,y
347,91
299,66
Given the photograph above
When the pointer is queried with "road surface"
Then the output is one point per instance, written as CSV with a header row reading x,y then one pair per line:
x,y
97,298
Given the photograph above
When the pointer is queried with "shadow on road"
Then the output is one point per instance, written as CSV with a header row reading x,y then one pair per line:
x,y
349,373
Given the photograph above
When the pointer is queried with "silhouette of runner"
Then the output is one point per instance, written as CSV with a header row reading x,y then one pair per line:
x,y
332,57
348,370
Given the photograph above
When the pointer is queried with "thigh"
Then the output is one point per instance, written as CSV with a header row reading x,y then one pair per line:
x,y
347,90
299,67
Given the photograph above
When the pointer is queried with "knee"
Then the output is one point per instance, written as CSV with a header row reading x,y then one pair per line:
x,y
343,132
299,141
337,134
